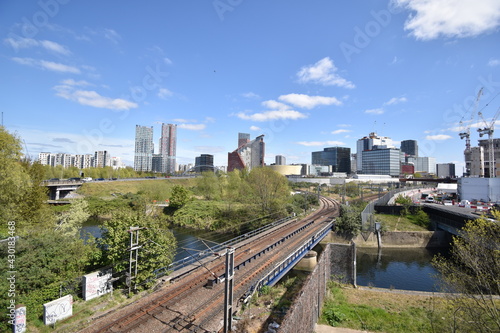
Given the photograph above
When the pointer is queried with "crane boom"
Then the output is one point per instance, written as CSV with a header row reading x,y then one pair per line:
x,y
466,134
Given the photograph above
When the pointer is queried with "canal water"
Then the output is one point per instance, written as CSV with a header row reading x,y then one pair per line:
x,y
189,242
398,268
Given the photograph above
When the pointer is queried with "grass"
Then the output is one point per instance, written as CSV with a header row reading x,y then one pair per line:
x,y
82,311
398,223
107,189
382,311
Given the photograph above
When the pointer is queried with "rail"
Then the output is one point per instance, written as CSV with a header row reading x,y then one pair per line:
x,y
217,248
283,267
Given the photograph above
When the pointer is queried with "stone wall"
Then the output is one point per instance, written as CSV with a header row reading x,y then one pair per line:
x,y
306,308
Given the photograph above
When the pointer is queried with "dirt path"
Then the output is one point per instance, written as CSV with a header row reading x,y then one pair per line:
x,y
329,329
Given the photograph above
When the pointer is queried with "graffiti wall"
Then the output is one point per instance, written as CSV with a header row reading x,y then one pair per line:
x,y
57,310
96,284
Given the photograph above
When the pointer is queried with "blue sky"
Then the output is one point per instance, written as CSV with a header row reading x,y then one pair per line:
x,y
77,76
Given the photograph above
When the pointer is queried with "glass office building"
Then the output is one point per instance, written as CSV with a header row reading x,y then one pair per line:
x,y
337,157
382,162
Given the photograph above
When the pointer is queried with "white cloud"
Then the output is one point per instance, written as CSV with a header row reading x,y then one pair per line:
x,y
272,115
164,93
308,102
272,104
431,19
23,43
323,72
375,111
340,131
250,95
167,61
92,98
438,137
494,62
112,35
71,82
48,65
396,100
193,127
321,143
254,128
181,120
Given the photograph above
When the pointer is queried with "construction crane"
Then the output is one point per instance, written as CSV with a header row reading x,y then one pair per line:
x,y
466,134
489,129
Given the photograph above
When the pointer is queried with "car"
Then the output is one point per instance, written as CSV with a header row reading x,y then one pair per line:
x,y
53,179
464,203
74,179
429,199
100,179
87,179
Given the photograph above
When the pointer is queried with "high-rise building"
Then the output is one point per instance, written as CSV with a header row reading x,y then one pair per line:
x,y
168,147
102,159
143,156
204,162
280,160
370,142
424,164
243,138
249,155
339,158
410,148
496,156
385,161
445,170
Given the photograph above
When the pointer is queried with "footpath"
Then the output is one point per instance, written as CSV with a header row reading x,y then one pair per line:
x,y
329,329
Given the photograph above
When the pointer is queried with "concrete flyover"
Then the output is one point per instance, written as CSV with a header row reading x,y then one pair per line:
x,y
59,189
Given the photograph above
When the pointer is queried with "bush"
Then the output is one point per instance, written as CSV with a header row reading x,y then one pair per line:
x,y
349,221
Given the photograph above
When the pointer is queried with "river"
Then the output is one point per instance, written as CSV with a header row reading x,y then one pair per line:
x,y
399,268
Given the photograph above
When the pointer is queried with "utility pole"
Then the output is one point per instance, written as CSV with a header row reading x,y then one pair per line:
x,y
134,257
228,292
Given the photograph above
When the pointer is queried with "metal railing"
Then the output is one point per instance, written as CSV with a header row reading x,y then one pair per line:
x,y
218,247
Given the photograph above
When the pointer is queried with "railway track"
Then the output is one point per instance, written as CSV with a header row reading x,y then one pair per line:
x,y
187,306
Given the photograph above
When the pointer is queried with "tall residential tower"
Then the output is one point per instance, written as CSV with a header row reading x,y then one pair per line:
x,y
168,144
143,154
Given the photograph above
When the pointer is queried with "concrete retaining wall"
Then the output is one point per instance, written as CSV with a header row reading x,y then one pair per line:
x,y
407,239
306,308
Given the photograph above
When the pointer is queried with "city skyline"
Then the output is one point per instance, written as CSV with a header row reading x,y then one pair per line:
x,y
308,76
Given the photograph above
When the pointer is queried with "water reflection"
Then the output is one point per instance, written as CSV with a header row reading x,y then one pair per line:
x,y
189,242
399,268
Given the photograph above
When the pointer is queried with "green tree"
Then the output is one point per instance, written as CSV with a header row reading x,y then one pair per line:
x,y
21,194
472,275
237,187
157,245
70,222
180,196
46,264
209,186
349,221
404,201
269,188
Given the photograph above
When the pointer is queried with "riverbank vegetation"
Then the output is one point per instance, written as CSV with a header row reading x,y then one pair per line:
x,y
383,310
